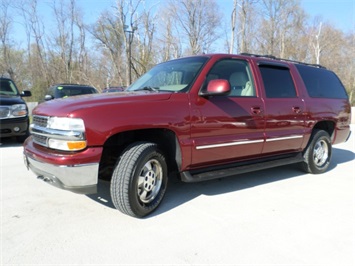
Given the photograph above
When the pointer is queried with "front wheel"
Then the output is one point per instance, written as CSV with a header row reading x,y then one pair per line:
x,y
139,180
318,153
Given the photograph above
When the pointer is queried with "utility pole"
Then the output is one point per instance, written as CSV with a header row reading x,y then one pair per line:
x,y
129,31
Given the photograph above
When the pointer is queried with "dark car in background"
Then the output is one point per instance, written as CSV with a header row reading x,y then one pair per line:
x,y
68,90
113,89
14,119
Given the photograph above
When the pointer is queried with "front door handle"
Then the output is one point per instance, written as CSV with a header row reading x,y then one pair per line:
x,y
296,109
256,110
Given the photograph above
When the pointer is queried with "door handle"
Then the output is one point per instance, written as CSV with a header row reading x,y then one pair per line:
x,y
256,110
296,109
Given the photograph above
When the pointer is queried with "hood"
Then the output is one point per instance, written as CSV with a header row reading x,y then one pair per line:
x,y
10,100
68,106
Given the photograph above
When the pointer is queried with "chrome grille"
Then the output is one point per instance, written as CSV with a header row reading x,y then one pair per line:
x,y
40,121
42,140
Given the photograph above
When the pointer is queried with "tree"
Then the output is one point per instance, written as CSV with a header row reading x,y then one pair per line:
x,y
198,20
282,18
63,40
5,48
109,36
167,41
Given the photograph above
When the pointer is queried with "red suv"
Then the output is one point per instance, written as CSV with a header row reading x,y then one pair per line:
x,y
203,117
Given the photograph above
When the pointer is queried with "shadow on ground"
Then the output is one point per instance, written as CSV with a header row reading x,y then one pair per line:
x,y
9,142
178,193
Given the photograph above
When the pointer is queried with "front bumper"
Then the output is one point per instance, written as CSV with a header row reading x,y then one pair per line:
x,y
70,172
13,127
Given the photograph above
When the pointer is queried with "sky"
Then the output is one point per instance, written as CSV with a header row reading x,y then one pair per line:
x,y
340,13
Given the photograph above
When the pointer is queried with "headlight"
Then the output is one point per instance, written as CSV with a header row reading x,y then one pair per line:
x,y
69,133
60,133
18,110
66,123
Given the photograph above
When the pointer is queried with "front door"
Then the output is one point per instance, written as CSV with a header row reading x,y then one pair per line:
x,y
228,128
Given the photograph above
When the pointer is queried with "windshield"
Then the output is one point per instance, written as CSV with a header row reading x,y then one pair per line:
x,y
66,91
176,75
7,87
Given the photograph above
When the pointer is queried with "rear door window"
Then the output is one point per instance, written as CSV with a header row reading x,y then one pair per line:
x,y
278,82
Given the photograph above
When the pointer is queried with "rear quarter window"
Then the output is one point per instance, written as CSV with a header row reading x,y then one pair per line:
x,y
322,83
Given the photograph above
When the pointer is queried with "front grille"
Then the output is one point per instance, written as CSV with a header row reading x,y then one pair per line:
x,y
41,140
40,121
5,131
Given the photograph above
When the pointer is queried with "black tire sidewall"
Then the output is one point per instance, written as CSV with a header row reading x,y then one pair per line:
x,y
141,209
318,136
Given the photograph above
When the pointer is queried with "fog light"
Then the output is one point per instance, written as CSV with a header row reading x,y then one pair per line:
x,y
16,129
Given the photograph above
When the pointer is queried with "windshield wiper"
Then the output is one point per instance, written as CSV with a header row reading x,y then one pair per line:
x,y
148,88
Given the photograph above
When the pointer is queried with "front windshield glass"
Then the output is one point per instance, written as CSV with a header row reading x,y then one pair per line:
x,y
7,87
176,75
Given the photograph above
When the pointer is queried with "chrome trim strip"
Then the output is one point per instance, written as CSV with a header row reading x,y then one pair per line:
x,y
228,144
245,142
284,138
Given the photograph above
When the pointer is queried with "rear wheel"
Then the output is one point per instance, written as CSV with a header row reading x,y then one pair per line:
x,y
318,153
139,179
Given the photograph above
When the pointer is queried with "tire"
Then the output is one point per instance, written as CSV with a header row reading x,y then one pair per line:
x,y
139,180
317,154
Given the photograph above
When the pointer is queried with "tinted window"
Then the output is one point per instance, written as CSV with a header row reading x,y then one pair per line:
x,y
321,83
278,82
7,87
66,91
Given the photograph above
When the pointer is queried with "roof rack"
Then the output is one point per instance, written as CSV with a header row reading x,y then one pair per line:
x,y
282,59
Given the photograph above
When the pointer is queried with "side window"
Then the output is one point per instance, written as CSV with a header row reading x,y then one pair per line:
x,y
321,83
237,72
278,82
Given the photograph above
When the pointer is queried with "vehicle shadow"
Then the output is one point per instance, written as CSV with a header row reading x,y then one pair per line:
x,y
340,156
179,193
9,142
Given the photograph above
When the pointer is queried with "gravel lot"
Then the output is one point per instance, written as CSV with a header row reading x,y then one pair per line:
x,y
275,217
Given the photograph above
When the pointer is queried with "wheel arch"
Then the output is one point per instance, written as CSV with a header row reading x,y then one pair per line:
x,y
326,125
165,139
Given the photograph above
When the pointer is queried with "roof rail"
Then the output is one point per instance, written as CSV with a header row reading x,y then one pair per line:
x,y
282,59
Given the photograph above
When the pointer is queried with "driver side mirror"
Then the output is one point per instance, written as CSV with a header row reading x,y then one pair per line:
x,y
26,93
48,97
216,87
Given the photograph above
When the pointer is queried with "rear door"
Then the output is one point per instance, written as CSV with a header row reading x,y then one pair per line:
x,y
284,109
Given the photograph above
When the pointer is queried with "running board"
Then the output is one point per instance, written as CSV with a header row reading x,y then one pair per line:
x,y
240,168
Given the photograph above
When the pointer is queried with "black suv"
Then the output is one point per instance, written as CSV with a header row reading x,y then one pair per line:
x,y
67,90
13,111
